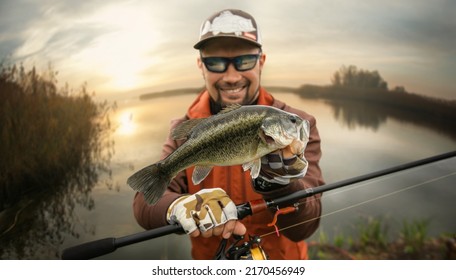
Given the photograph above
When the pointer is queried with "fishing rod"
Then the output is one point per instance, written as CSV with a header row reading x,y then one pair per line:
x,y
108,245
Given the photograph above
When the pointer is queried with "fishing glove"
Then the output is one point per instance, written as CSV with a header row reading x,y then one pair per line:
x,y
203,210
280,167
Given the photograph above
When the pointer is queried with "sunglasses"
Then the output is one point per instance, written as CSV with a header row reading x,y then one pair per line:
x,y
241,63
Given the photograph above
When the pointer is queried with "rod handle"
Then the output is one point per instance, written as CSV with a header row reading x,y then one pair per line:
x,y
90,250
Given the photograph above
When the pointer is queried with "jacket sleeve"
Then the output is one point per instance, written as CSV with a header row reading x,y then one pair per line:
x,y
306,219
153,216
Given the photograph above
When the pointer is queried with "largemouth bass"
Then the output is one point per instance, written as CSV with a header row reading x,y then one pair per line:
x,y
238,135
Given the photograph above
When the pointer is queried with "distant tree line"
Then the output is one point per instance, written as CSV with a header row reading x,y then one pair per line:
x,y
351,76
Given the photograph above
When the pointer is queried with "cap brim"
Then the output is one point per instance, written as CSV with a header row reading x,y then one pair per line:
x,y
200,44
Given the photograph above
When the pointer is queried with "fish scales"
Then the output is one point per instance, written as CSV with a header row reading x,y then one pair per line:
x,y
228,140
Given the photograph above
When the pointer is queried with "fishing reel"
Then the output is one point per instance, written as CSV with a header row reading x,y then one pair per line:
x,y
241,250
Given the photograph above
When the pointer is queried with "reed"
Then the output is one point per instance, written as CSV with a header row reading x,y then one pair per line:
x,y
45,132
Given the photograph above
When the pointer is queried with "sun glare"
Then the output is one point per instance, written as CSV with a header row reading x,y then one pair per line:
x,y
126,124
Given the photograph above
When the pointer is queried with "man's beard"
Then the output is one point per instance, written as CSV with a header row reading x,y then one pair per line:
x,y
218,105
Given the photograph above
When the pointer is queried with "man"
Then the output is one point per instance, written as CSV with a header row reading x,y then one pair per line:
x,y
231,61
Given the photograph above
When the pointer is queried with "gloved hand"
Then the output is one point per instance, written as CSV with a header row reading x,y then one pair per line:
x,y
209,212
279,168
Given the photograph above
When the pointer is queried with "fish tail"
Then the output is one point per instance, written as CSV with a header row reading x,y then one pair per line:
x,y
151,181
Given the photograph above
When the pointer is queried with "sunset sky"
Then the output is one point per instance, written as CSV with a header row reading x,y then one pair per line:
x,y
136,47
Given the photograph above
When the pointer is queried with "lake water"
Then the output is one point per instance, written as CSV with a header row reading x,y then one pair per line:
x,y
353,144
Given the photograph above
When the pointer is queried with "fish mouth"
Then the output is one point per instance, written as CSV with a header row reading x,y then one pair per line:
x,y
267,139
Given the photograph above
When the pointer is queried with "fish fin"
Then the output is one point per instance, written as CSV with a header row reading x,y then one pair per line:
x,y
248,165
183,130
200,173
230,108
151,181
254,166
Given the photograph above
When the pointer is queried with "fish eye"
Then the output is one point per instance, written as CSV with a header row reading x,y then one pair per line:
x,y
293,119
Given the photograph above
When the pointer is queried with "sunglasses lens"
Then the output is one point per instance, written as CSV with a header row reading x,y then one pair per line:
x,y
245,62
220,64
215,64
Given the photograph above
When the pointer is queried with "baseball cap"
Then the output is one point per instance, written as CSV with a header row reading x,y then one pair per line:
x,y
229,23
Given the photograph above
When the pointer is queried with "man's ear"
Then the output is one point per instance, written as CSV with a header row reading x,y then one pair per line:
x,y
199,63
262,60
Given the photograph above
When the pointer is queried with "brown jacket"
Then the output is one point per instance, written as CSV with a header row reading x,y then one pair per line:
x,y
290,244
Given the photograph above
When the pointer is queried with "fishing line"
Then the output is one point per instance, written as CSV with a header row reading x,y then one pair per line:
x,y
366,183
359,185
361,203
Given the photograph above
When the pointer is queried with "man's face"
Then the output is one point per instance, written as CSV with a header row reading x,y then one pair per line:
x,y
232,86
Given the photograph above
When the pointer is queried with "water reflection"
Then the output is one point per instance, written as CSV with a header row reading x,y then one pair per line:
x,y
359,113
126,124
36,227
353,114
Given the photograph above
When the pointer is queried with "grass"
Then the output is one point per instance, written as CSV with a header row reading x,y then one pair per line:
x,y
414,235
46,132
373,241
